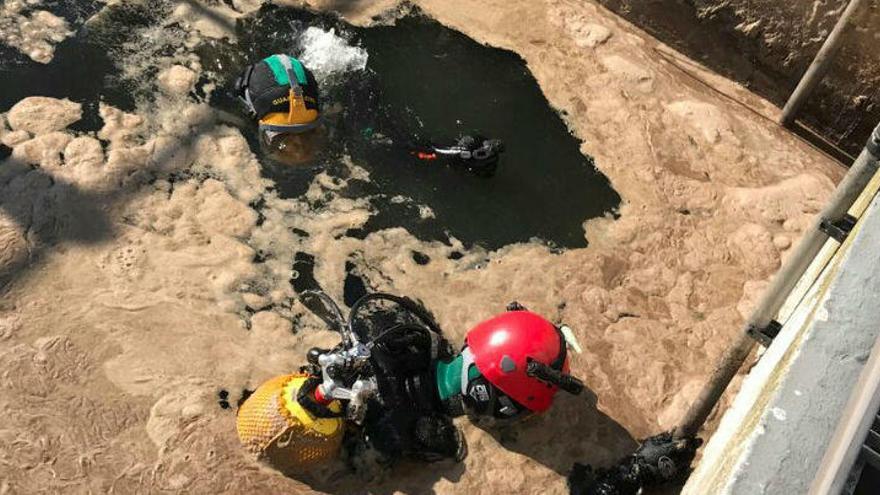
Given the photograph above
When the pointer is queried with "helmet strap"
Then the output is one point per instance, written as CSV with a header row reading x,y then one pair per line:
x,y
242,88
296,91
466,376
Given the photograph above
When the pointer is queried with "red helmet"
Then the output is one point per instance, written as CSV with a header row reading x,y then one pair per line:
x,y
524,356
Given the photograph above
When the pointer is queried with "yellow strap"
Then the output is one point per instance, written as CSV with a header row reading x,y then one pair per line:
x,y
323,426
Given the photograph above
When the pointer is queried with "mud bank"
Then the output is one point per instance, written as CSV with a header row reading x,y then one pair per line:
x,y
768,45
149,265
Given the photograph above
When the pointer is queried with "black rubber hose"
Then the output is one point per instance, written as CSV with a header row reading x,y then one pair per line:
x,y
394,329
404,302
330,304
548,375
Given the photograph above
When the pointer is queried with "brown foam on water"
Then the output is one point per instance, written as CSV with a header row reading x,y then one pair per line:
x,y
32,31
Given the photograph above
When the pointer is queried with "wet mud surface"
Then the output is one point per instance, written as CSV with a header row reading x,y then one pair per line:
x,y
767,46
422,84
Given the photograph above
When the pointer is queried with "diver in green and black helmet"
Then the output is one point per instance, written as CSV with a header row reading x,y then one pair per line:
x,y
281,93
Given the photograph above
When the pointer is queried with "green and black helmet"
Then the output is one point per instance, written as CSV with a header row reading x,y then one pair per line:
x,y
281,93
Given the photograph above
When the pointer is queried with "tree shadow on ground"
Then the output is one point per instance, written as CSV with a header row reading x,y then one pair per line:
x,y
404,477
574,430
343,7
48,211
199,9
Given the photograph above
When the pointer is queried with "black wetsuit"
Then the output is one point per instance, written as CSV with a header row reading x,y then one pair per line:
x,y
408,419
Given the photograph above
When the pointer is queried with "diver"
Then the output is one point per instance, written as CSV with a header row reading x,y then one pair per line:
x,y
509,367
660,460
473,153
395,384
281,93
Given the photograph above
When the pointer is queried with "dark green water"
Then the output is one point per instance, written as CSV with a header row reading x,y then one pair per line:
x,y
422,82
544,186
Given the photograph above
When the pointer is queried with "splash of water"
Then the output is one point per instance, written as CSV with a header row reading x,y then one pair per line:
x,y
329,55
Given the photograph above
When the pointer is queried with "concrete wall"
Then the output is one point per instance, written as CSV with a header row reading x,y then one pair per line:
x,y
768,44
773,438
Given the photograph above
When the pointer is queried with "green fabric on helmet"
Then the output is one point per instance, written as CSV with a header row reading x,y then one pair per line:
x,y
473,372
299,70
448,376
280,72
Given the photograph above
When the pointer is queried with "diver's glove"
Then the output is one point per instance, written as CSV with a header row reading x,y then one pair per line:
x,y
658,460
473,148
436,437
476,153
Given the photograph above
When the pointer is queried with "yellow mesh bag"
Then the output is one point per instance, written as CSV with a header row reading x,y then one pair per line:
x,y
272,425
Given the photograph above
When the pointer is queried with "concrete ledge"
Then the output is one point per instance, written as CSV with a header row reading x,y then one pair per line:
x,y
773,438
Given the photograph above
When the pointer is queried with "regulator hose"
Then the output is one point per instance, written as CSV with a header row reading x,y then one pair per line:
x,y
329,303
549,375
346,326
406,303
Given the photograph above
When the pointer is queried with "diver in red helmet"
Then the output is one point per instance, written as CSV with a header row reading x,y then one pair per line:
x,y
396,384
511,366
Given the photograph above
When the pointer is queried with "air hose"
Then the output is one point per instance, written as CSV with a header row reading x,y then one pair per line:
x,y
407,304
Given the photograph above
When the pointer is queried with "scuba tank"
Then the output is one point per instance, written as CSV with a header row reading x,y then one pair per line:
x,y
274,425
377,386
